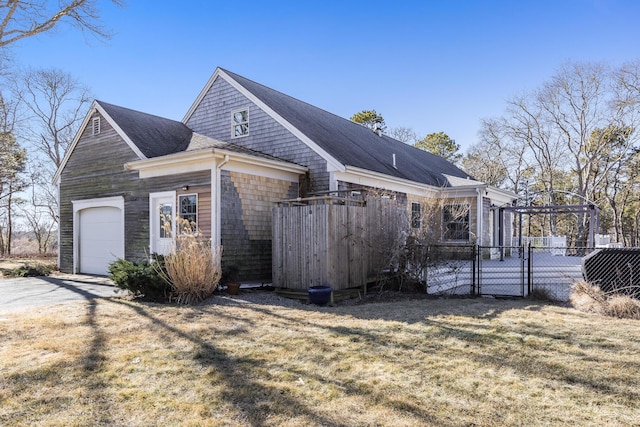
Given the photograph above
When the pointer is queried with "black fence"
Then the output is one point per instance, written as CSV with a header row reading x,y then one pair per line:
x,y
515,271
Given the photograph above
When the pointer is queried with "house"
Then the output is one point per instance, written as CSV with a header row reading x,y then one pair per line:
x,y
240,148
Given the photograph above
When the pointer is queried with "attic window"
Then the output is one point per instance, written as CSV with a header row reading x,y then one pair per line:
x,y
239,123
95,126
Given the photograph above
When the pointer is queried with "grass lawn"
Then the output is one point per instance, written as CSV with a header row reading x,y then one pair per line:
x,y
459,362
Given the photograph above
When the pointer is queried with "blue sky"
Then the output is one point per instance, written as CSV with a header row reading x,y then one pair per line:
x,y
429,65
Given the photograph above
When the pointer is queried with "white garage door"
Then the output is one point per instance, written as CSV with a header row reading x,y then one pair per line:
x,y
101,239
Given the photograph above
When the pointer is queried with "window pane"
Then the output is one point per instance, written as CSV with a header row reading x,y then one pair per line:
x,y
416,215
240,130
240,116
165,221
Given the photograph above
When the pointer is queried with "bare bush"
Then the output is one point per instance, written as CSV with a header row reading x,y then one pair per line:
x,y
591,298
587,297
193,267
623,306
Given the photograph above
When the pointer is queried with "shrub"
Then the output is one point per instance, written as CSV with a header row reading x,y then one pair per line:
x,y
542,294
142,279
29,270
623,306
192,269
590,298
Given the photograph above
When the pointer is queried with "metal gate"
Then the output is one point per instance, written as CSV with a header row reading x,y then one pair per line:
x,y
519,271
503,271
514,271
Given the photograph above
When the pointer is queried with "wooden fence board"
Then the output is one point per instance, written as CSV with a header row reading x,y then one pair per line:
x,y
332,244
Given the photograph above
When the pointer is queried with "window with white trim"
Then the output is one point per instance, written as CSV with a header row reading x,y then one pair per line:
x,y
188,213
239,123
456,219
95,126
416,215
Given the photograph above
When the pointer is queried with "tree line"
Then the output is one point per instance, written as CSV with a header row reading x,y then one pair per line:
x,y
438,143
571,141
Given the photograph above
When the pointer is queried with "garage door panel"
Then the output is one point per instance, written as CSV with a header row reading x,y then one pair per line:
x,y
101,239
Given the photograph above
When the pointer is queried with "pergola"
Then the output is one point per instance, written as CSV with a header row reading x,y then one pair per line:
x,y
591,209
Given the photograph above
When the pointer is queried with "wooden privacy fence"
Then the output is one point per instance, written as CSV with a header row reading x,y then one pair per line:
x,y
333,241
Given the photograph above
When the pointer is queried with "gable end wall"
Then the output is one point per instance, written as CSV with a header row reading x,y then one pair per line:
x,y
212,118
95,169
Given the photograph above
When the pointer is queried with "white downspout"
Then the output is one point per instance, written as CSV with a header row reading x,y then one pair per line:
x,y
216,238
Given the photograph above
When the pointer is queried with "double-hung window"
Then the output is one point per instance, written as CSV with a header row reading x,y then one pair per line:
x,y
239,123
188,213
456,219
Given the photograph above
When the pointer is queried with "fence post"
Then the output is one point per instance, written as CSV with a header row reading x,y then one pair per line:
x,y
475,251
521,251
426,278
529,271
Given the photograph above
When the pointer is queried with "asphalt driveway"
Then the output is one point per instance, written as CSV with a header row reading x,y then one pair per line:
x,y
22,293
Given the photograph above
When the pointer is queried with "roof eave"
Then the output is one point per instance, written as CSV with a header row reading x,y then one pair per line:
x,y
207,158
388,182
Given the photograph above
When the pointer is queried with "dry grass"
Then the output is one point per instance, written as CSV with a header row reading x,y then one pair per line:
x,y
193,269
590,298
234,363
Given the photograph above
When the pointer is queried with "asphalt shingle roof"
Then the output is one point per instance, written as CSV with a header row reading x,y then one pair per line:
x,y
349,143
353,144
153,135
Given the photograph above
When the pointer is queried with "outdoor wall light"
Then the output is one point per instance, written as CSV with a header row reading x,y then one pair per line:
x,y
185,187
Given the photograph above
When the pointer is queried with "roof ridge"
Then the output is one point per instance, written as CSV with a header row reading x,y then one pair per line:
x,y
233,75
136,111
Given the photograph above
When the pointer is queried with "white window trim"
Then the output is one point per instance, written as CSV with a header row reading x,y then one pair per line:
x,y
468,207
234,124
179,213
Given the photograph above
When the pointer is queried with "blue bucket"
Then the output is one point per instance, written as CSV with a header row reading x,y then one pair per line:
x,y
320,295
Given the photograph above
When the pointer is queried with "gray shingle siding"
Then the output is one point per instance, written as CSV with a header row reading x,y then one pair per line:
x,y
95,170
212,118
250,255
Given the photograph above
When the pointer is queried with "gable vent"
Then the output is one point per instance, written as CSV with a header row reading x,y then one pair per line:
x,y
95,126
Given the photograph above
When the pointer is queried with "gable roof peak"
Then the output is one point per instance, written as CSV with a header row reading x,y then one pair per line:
x,y
153,135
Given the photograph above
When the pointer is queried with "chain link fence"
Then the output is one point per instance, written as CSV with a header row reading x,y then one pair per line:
x,y
522,271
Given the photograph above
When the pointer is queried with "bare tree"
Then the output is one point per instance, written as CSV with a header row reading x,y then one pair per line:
x,y
20,19
498,159
40,214
404,134
56,103
484,166
576,129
